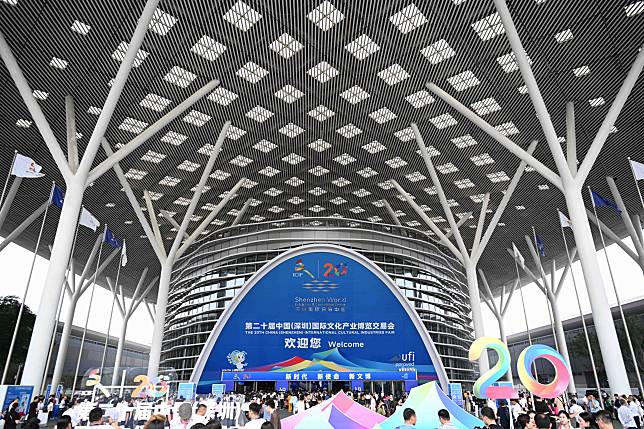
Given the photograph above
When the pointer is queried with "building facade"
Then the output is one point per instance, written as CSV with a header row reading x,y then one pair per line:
x,y
210,274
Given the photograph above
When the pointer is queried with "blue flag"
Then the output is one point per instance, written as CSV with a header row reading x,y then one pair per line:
x,y
57,197
599,201
111,239
540,246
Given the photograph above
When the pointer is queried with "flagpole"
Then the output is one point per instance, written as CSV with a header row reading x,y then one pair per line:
x,y
545,288
581,315
639,192
109,324
619,303
24,295
6,182
89,310
525,316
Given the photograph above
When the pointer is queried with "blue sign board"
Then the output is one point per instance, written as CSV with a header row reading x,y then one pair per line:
x,y
318,315
456,393
187,391
22,393
218,390
317,376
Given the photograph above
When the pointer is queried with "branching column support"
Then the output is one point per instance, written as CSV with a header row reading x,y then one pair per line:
x,y
74,291
633,227
552,292
78,175
499,309
469,260
391,212
570,182
126,313
178,245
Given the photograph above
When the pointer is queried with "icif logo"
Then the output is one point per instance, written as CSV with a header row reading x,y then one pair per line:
x,y
300,269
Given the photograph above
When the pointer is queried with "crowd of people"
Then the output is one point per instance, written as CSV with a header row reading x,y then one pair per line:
x,y
585,412
264,410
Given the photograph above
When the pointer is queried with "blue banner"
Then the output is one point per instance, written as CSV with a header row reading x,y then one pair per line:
x,y
317,376
318,316
22,393
187,391
455,392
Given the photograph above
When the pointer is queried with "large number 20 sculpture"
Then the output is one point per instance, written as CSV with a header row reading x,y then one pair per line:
x,y
483,386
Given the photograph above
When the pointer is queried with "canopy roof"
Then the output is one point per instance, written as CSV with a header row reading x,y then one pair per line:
x,y
321,95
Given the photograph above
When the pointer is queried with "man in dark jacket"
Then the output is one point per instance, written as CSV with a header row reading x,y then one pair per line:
x,y
275,418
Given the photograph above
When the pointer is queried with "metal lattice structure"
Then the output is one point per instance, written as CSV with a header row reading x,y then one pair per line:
x,y
321,96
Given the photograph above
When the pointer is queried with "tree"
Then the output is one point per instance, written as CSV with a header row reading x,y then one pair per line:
x,y
9,308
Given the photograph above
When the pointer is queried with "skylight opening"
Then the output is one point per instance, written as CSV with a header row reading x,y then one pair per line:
x,y
188,166
291,130
464,141
438,51
40,95
196,118
133,125
482,159
447,168
286,46
634,8
182,201
242,16
179,77
443,121
23,123
408,19
319,145
317,191
289,94
382,115
80,27
508,62
295,200
321,113
581,71
316,208
269,171
152,156
174,138
344,159
489,27
349,131
393,74
241,161
497,177
341,182
405,134
293,158
252,72
294,181
361,193
374,147
420,99
463,80
416,176
259,114
463,183
208,48
486,106
596,102
318,171
58,63
325,15
367,172
222,96
396,162
323,72
362,47
135,174
273,192
162,22
563,36
155,102
235,133
507,128
355,94
264,146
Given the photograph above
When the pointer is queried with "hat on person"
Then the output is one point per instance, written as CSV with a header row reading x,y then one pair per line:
x,y
185,411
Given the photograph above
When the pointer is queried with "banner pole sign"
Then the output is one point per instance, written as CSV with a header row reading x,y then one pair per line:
x,y
304,317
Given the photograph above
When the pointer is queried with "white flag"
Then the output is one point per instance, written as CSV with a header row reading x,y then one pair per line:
x,y
518,256
87,219
23,166
638,169
123,255
564,221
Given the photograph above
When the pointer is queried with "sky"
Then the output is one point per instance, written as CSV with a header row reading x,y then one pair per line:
x,y
15,262
14,266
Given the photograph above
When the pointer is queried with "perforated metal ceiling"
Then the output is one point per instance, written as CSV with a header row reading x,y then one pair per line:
x,y
321,95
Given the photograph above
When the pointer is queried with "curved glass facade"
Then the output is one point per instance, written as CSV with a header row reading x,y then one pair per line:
x,y
214,269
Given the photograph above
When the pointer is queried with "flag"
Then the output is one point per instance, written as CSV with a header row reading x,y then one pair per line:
x,y
518,256
564,221
57,197
87,219
638,169
111,239
123,255
23,166
599,201
541,247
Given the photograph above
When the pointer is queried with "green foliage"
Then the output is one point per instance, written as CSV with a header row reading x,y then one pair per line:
x,y
9,308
